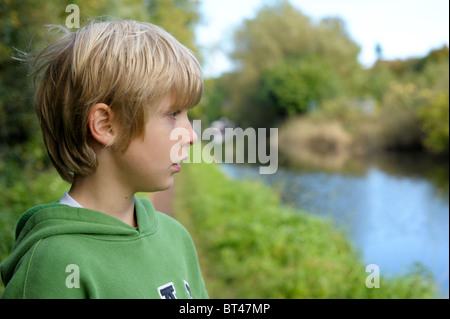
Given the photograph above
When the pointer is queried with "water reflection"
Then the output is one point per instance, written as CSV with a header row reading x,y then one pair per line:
x,y
395,220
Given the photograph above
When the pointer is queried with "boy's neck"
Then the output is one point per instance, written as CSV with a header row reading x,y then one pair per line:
x,y
105,196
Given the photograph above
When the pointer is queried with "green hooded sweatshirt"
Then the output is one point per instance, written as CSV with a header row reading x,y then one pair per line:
x,y
68,252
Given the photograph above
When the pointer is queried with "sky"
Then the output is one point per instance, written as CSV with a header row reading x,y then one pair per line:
x,y
403,28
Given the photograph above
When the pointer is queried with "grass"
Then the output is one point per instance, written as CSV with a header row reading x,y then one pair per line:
x,y
250,246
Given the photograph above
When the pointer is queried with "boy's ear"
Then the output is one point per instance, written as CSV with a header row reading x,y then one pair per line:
x,y
101,120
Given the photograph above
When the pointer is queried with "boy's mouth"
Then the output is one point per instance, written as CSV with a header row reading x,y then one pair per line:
x,y
177,166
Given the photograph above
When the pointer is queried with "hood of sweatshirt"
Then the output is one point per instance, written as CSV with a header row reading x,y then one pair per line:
x,y
56,219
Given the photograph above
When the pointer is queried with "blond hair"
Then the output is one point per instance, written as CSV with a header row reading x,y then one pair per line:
x,y
128,65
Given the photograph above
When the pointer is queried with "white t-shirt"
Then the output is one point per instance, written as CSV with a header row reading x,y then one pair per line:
x,y
69,201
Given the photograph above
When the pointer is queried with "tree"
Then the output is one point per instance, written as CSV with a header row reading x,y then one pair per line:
x,y
19,23
278,38
179,17
210,107
435,119
413,96
298,85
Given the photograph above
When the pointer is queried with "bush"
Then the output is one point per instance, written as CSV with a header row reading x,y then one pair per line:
x,y
305,141
435,119
250,246
398,118
19,191
296,85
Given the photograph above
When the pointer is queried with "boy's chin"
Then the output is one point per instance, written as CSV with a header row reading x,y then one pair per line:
x,y
165,188
162,187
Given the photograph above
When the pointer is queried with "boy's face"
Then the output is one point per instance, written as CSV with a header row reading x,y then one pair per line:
x,y
147,164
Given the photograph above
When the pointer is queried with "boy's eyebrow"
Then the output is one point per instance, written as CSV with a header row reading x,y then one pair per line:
x,y
168,107
178,107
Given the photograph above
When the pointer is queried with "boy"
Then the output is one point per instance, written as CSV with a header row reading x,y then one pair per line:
x,y
109,96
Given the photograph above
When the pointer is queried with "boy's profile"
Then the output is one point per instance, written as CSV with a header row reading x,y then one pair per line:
x,y
108,97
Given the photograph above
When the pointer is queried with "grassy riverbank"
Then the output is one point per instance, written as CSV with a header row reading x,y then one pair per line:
x,y
250,246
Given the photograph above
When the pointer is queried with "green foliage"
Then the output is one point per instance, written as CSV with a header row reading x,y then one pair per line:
x,y
405,69
435,123
377,81
17,123
210,107
179,17
252,247
294,86
398,119
21,189
281,42
408,107
287,65
413,107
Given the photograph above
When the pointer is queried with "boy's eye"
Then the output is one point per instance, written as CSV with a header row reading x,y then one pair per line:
x,y
173,115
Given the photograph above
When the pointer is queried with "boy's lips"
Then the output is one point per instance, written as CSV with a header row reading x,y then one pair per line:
x,y
177,167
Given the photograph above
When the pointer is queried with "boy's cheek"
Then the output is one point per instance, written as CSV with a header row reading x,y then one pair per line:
x,y
181,136
176,152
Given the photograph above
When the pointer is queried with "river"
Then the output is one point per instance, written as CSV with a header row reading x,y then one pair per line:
x,y
394,209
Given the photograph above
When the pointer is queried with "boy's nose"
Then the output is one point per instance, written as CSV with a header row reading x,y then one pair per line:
x,y
188,135
193,136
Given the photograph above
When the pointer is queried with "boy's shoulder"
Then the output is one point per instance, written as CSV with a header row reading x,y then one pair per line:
x,y
30,213
173,226
56,232
43,270
163,220
168,227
